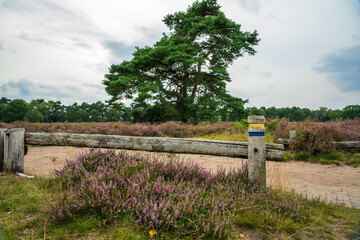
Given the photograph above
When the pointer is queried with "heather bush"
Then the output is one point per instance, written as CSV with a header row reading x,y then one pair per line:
x,y
350,130
316,137
207,128
167,195
282,129
174,129
168,129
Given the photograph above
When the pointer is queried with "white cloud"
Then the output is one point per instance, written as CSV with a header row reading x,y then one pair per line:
x,y
295,35
72,43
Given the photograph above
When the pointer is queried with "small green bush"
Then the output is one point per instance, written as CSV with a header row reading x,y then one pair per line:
x,y
302,156
332,155
325,161
288,156
272,124
337,163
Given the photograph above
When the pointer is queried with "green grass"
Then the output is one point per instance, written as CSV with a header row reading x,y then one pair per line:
x,y
226,136
340,158
337,158
21,200
288,156
301,156
235,134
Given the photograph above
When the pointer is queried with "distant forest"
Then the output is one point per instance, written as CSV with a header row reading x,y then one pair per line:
x,y
40,110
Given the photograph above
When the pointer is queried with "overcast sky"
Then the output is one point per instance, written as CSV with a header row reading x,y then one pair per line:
x,y
308,56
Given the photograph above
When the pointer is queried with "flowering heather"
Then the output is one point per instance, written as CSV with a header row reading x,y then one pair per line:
x,y
316,137
167,196
168,129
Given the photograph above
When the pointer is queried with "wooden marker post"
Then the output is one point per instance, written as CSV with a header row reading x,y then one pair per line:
x,y
14,143
257,150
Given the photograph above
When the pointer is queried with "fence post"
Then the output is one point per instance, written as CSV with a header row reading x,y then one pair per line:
x,y
2,147
257,150
292,135
14,143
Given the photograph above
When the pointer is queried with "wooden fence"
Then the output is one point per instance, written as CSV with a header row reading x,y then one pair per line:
x,y
12,144
155,144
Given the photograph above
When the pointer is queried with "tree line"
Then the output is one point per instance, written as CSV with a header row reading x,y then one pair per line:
x,y
297,114
40,110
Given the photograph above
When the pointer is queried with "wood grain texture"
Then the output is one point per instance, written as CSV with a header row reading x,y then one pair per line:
x,y
155,144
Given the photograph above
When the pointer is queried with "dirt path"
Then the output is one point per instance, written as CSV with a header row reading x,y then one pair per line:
x,y
329,183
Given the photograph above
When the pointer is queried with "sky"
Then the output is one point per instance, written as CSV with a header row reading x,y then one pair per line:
x,y
308,56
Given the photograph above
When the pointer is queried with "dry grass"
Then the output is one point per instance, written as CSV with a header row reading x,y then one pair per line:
x,y
278,177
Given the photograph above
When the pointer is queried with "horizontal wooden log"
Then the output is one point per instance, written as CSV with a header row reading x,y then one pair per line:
x,y
156,144
346,145
285,141
350,145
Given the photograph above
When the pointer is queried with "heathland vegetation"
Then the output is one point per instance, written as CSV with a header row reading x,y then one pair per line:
x,y
178,88
108,195
105,195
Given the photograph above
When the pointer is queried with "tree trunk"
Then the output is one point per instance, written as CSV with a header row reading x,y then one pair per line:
x,y
183,110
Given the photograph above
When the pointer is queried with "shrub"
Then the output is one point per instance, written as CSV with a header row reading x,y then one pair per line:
x,y
282,129
169,129
173,129
272,124
171,196
316,137
288,156
302,156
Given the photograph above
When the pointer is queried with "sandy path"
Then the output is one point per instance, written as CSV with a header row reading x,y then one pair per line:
x,y
330,183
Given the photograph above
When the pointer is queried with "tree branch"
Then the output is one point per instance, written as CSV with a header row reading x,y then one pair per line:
x,y
174,81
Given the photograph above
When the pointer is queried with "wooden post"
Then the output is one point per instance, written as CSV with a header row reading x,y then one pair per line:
x,y
257,150
14,143
292,135
2,147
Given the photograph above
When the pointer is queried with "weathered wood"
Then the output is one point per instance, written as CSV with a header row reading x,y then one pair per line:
x,y
15,159
346,145
156,144
257,151
292,134
350,145
285,141
2,145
